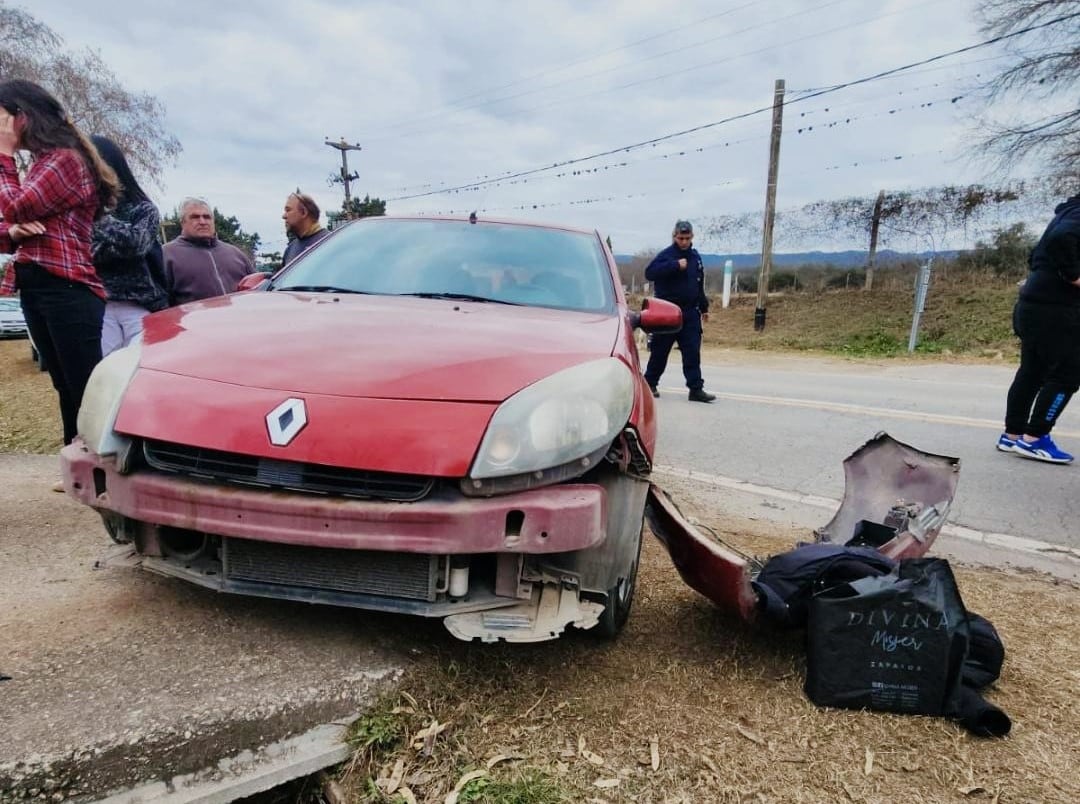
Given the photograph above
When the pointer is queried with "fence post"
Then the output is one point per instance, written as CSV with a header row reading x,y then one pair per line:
x,y
727,284
922,284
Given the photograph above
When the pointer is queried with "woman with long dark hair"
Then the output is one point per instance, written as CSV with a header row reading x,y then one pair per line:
x,y
127,255
48,216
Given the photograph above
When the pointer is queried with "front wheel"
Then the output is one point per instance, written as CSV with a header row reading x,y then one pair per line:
x,y
620,598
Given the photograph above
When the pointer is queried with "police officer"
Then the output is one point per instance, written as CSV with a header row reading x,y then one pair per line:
x,y
678,276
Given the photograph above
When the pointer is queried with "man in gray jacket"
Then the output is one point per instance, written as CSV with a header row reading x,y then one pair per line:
x,y
197,264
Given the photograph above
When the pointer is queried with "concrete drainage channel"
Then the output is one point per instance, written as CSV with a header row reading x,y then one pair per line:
x,y
248,773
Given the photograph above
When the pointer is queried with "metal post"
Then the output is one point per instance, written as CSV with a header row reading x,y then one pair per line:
x,y
770,205
922,284
727,284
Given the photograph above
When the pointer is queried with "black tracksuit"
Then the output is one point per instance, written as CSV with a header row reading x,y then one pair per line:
x,y
1047,321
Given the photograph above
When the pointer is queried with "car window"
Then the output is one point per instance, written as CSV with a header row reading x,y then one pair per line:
x,y
9,304
507,263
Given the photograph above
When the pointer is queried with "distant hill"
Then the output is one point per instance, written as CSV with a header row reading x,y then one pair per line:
x,y
841,259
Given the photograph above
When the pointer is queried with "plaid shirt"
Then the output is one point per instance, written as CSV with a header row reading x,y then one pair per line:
x,y
60,192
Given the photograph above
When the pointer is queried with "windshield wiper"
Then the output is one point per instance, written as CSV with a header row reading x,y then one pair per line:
x,y
460,297
317,289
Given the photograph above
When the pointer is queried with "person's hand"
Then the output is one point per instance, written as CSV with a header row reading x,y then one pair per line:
x,y
682,263
705,318
9,138
21,231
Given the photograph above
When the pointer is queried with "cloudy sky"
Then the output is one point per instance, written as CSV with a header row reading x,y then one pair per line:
x,y
445,95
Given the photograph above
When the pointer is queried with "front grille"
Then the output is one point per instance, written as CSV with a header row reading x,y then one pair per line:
x,y
252,470
404,575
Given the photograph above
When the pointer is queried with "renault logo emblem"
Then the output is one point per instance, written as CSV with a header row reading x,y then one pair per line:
x,y
285,421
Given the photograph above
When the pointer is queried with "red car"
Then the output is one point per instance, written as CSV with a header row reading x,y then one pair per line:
x,y
440,417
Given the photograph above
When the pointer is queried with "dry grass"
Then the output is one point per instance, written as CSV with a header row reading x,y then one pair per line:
x,y
724,706
29,410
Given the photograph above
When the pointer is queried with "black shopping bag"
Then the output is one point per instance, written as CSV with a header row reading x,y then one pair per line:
x,y
894,642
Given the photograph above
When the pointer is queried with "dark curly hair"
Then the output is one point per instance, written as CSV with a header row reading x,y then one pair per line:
x,y
48,127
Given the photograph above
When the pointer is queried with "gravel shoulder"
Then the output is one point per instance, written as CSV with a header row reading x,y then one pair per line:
x,y
118,675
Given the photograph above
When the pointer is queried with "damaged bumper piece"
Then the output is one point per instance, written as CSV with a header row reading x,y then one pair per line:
x,y
513,567
896,500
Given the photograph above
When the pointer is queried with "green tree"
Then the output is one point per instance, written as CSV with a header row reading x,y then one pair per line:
x,y
89,90
367,208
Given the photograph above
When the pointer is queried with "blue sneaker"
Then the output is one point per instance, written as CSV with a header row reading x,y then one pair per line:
x,y
1042,450
1005,444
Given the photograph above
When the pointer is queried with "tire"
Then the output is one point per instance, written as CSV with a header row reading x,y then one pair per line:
x,y
620,598
113,527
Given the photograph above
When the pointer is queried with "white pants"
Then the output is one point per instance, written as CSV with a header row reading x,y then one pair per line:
x,y
122,322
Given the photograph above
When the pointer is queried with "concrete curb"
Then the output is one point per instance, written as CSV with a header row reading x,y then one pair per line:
x,y
248,772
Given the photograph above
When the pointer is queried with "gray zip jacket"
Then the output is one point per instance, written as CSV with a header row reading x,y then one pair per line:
x,y
200,268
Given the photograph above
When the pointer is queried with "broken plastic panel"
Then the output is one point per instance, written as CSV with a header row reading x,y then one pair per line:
x,y
896,499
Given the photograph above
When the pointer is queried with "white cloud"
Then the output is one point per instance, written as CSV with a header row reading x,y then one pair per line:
x,y
446,93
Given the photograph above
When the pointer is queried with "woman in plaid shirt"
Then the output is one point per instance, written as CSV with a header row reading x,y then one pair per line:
x,y
47,221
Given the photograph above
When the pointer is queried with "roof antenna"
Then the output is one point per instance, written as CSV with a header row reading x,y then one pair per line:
x,y
472,216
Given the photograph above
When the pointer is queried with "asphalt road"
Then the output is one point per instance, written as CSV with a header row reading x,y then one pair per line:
x,y
788,423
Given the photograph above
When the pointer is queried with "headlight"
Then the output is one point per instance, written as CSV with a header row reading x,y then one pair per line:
x,y
101,400
560,419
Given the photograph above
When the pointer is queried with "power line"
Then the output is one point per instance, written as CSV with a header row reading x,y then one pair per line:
x,y
503,180
744,115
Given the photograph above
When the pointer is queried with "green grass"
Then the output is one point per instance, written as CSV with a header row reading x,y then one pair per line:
x,y
967,315
378,732
532,787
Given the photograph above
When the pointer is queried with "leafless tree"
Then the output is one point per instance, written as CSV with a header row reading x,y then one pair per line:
x,y
1043,82
90,91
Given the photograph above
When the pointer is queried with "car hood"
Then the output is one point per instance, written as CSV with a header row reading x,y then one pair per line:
x,y
377,347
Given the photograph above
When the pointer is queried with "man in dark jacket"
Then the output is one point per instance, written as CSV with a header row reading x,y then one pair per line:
x,y
301,218
1047,320
678,276
197,264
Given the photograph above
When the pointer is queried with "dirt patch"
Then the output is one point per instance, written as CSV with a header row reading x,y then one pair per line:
x,y
724,707
29,409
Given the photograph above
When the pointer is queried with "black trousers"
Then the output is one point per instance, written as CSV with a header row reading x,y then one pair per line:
x,y
1049,372
64,319
689,340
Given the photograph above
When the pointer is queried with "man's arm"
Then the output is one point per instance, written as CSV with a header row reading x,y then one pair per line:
x,y
1063,252
703,297
663,264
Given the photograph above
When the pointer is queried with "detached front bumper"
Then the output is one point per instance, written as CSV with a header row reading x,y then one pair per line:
x,y
554,519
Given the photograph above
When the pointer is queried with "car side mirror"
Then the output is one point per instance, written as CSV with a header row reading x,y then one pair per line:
x,y
252,282
658,316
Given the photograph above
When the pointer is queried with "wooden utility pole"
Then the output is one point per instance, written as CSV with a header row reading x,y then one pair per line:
x,y
875,222
345,177
770,205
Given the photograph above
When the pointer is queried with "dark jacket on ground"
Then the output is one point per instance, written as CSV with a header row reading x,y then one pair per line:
x,y
127,255
199,268
684,288
1055,260
298,245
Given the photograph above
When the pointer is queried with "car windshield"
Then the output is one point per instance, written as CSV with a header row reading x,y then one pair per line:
x,y
7,305
504,263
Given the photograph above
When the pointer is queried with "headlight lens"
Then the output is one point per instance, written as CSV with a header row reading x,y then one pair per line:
x,y
101,400
555,421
